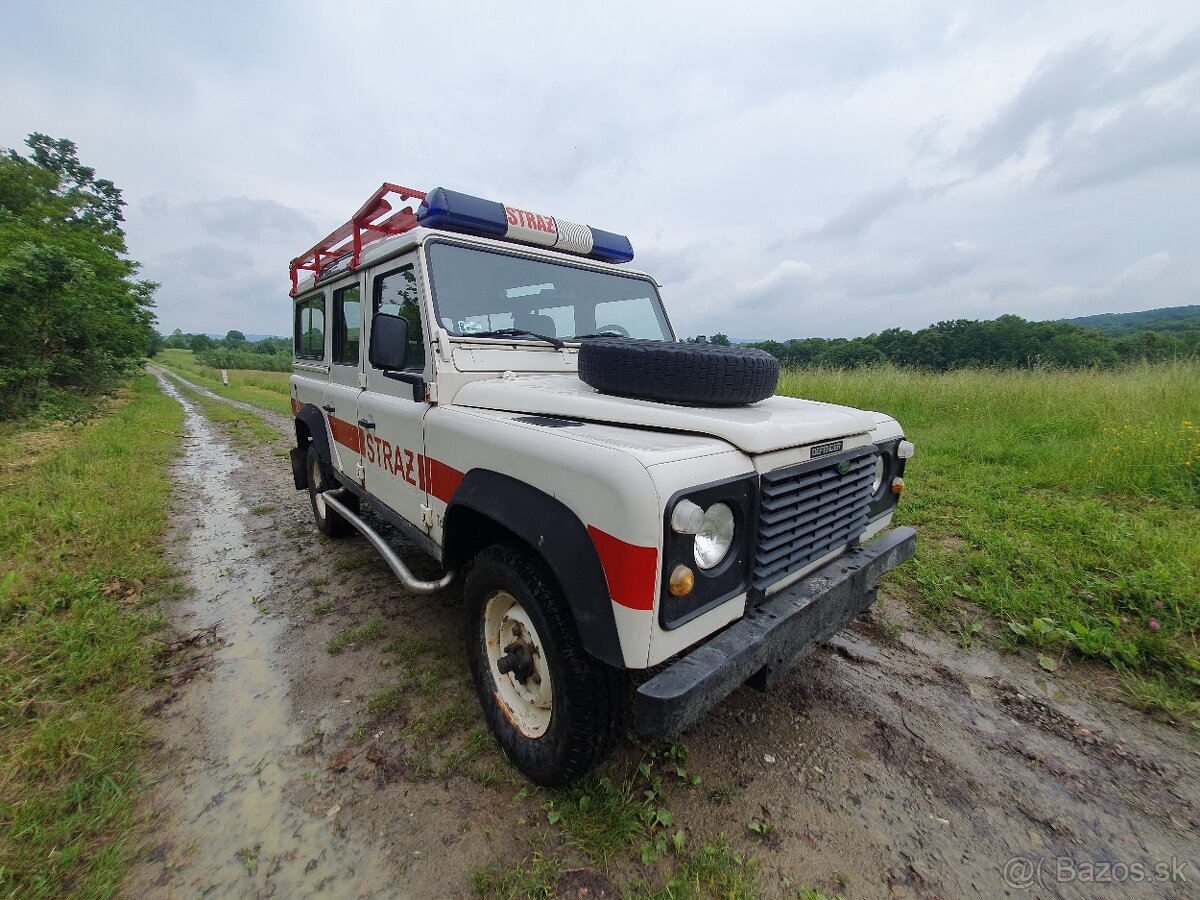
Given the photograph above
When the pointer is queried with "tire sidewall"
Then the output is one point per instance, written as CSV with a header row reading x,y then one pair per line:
x,y
313,464
540,758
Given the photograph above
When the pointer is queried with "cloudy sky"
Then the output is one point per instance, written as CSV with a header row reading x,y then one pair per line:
x,y
784,169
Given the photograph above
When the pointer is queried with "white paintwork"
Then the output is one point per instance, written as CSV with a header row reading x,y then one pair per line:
x,y
772,424
616,471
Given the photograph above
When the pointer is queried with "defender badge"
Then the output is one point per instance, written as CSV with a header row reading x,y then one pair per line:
x,y
825,449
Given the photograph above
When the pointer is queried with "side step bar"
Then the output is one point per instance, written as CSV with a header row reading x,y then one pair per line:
x,y
411,583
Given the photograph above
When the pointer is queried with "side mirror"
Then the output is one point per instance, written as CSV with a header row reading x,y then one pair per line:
x,y
389,342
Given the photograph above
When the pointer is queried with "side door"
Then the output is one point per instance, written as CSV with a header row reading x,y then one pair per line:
x,y
310,369
345,379
392,412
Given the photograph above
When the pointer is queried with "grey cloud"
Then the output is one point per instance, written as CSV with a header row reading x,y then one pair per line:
x,y
231,218
212,262
1089,76
863,212
1139,139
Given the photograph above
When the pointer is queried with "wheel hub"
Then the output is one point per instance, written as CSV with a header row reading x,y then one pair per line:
x,y
519,669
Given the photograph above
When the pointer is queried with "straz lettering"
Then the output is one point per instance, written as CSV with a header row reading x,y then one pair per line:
x,y
825,449
395,461
532,221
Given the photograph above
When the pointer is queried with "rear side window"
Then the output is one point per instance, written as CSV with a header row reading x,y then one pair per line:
x,y
347,325
310,328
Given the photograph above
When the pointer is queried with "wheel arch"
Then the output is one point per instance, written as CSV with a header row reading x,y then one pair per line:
x,y
489,507
310,426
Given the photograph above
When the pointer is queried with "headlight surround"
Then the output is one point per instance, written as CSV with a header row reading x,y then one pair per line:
x,y
715,537
710,530
889,465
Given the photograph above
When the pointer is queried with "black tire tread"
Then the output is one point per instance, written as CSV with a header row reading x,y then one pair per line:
x,y
671,372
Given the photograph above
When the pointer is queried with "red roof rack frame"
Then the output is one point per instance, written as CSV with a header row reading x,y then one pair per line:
x,y
371,223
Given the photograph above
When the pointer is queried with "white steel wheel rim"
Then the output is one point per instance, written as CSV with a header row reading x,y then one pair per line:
x,y
314,480
527,706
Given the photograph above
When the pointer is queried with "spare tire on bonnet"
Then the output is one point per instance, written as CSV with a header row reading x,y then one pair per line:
x,y
693,374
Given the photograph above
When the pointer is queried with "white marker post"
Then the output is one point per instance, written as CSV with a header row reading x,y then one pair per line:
x,y
225,378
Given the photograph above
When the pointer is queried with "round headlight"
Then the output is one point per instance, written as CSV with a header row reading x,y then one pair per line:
x,y
715,536
878,474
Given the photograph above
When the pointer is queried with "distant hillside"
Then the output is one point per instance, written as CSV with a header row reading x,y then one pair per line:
x,y
1170,318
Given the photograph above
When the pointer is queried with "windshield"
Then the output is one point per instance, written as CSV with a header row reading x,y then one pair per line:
x,y
478,291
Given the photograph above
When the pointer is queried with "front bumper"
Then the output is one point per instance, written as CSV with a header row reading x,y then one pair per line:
x,y
764,643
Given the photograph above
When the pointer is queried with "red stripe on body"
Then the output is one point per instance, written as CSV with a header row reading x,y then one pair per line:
x,y
443,480
346,434
295,406
631,570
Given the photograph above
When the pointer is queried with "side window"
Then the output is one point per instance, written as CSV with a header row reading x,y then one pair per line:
x,y
347,325
396,294
310,328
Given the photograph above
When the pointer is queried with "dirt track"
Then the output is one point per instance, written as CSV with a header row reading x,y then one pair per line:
x,y
891,763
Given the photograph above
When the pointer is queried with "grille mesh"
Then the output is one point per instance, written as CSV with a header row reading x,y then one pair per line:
x,y
806,511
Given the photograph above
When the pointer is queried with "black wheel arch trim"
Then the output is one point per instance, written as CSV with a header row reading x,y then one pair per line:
x,y
318,429
558,536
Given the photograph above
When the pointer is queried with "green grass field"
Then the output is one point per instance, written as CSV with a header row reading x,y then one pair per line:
x,y
266,390
83,511
1058,509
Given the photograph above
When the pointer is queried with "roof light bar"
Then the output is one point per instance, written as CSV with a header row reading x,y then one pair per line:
x,y
453,211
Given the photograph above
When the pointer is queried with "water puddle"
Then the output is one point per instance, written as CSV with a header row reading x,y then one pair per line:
x,y
234,833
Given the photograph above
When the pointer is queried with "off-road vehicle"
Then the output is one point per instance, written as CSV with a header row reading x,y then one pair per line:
x,y
640,525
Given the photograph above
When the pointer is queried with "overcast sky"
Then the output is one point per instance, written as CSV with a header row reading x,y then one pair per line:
x,y
785,170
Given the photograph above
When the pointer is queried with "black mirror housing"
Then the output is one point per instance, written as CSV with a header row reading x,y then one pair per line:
x,y
389,342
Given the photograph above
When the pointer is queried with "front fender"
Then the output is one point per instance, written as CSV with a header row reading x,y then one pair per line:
x,y
555,533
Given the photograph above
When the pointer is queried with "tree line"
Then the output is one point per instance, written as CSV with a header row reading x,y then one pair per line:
x,y
1008,342
74,318
234,351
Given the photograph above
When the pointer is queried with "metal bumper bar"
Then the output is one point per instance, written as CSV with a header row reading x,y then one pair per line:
x,y
769,637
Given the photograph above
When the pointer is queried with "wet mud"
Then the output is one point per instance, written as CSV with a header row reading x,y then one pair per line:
x,y
327,743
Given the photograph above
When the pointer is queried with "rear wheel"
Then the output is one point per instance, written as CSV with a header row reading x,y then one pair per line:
x,y
555,710
328,521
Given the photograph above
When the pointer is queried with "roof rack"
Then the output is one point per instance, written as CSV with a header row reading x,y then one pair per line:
x,y
373,221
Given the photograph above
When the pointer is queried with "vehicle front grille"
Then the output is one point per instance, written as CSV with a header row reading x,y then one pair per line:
x,y
806,511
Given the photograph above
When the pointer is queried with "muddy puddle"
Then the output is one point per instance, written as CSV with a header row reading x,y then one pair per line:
x,y
229,831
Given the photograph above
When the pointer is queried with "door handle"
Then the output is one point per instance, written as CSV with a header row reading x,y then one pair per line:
x,y
328,407
366,423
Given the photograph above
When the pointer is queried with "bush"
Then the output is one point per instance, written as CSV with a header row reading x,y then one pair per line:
x,y
245,359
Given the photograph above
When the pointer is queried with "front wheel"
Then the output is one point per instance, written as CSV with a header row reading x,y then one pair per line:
x,y
555,710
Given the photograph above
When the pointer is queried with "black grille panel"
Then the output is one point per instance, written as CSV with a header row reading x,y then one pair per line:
x,y
808,510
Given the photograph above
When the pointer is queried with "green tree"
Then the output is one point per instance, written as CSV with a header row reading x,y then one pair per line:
x,y
73,316
234,340
721,340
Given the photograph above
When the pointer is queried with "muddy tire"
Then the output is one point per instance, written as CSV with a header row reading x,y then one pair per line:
x,y
687,374
559,712
328,521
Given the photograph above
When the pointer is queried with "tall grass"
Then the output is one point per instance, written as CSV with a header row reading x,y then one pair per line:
x,y
1067,497
82,530
266,390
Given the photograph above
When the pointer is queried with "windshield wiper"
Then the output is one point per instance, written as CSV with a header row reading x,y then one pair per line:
x,y
517,332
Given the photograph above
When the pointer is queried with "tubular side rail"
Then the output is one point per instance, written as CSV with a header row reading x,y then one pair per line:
x,y
407,578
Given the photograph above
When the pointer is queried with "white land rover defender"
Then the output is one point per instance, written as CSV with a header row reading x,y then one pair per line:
x,y
498,387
